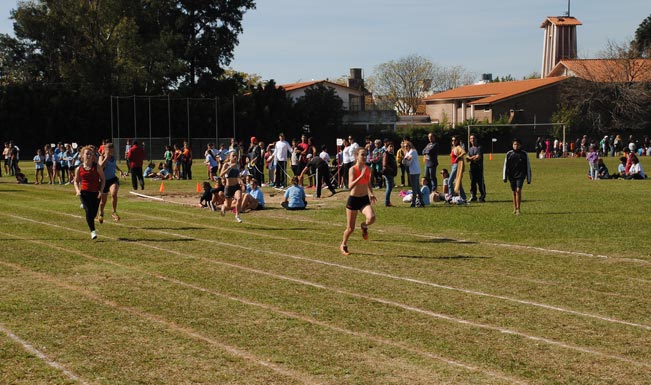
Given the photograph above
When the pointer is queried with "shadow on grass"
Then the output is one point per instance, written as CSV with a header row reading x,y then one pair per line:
x,y
452,257
172,228
122,239
278,228
428,240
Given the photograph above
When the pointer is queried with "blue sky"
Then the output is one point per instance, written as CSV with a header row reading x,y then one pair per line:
x,y
300,40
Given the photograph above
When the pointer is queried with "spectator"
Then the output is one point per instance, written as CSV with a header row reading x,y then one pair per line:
x,y
389,171
516,169
411,161
592,156
319,168
431,154
294,196
456,170
39,163
476,159
136,156
282,150
636,171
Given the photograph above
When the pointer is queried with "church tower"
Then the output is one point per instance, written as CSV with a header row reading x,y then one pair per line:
x,y
560,41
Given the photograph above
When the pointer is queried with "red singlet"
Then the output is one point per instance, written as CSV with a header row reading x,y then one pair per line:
x,y
89,179
365,179
453,157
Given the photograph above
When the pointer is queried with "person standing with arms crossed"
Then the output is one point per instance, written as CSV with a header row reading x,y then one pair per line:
x,y
431,154
516,169
360,199
476,158
89,184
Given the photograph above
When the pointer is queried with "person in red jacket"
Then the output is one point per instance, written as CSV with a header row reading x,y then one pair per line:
x,y
136,156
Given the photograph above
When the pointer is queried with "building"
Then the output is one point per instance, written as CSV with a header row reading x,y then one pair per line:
x,y
559,42
525,101
353,99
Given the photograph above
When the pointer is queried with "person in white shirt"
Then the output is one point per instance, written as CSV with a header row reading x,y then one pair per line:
x,y
324,154
411,161
283,149
349,157
636,171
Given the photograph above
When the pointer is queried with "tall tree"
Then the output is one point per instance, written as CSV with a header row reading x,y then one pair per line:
x,y
642,42
127,46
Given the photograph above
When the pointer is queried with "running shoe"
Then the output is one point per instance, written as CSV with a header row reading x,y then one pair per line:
x,y
344,249
115,216
364,231
238,219
93,235
100,219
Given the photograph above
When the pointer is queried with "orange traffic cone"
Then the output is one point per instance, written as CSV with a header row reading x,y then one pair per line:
x,y
491,156
162,187
198,187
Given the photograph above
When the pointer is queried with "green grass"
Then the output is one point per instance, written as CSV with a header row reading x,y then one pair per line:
x,y
442,295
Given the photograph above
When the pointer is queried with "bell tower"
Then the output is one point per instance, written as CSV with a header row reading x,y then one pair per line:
x,y
560,40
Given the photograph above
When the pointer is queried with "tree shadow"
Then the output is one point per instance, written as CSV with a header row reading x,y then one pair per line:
x,y
446,257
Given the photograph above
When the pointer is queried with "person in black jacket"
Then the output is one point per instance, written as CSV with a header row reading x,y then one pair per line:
x,y
318,166
516,169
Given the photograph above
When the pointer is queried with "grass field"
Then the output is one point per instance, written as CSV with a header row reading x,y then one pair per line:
x,y
173,294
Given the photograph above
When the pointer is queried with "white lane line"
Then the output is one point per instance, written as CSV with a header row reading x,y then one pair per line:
x,y
42,356
360,296
234,351
407,279
279,311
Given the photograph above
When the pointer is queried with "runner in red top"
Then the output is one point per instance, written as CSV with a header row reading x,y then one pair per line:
x,y
89,184
360,199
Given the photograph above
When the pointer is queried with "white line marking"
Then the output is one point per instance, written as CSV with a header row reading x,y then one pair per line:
x,y
361,296
28,347
411,280
166,323
376,339
147,196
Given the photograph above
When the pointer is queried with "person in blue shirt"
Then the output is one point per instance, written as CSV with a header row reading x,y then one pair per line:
x,y
254,199
294,196
425,191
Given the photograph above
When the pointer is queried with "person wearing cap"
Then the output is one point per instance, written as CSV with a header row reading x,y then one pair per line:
x,y
318,166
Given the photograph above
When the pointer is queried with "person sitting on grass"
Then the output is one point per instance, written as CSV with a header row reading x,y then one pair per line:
x,y
602,170
636,171
218,197
20,177
206,197
254,199
294,196
164,173
621,169
149,171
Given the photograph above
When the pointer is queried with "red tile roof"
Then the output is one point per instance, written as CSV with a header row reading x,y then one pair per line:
x,y
493,92
296,86
605,70
560,20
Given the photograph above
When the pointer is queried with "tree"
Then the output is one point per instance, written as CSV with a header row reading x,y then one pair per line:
x,y
401,84
321,109
125,46
642,42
